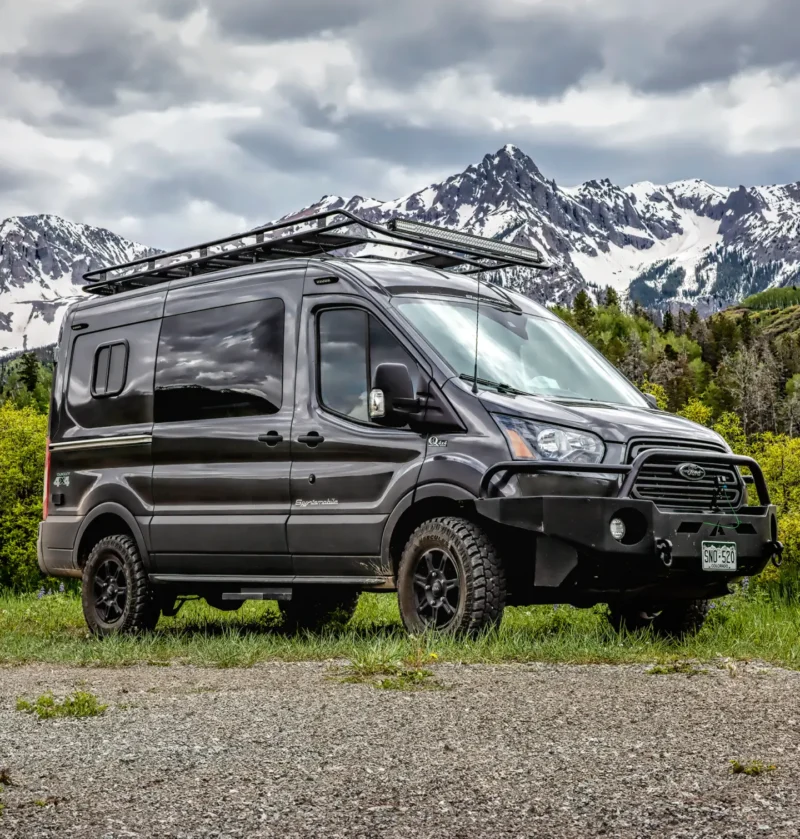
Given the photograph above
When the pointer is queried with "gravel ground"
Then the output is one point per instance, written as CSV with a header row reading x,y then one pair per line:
x,y
285,750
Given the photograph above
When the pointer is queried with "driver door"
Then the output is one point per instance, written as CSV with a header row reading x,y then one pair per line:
x,y
347,472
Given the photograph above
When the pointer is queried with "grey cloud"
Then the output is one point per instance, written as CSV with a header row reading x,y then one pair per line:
x,y
723,45
276,20
94,54
390,139
539,50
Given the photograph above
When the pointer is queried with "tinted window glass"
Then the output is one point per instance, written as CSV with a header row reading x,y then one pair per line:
x,y
384,347
100,380
116,369
110,365
343,362
224,362
351,342
116,363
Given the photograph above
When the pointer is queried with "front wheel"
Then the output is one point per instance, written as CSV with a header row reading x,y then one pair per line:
x,y
116,594
673,620
450,579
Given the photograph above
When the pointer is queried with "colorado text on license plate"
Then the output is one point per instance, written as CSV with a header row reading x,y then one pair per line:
x,y
719,556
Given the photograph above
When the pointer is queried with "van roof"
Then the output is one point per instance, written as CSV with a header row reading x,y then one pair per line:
x,y
321,234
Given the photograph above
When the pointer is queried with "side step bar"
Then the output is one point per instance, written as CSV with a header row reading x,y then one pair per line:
x,y
258,594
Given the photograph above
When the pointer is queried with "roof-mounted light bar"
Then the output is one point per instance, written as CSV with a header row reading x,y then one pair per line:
x,y
452,239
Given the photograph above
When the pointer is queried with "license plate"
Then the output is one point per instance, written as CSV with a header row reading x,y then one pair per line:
x,y
719,556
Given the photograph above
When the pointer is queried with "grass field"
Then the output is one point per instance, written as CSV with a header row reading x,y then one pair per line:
x,y
51,629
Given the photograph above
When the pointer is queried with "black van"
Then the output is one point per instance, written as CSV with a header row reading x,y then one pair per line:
x,y
257,418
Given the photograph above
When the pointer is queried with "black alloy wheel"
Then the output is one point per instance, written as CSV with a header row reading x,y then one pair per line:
x,y
110,590
437,588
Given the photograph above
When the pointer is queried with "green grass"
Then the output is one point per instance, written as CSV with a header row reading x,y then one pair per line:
x,y
676,668
52,630
751,767
81,704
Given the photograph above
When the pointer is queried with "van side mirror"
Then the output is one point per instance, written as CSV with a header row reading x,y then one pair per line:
x,y
651,400
392,395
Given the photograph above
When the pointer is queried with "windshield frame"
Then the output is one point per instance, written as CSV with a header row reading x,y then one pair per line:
x,y
637,399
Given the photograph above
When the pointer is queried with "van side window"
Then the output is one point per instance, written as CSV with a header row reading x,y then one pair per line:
x,y
223,362
351,345
110,369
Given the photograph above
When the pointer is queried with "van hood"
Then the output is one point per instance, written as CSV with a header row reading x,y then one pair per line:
x,y
612,423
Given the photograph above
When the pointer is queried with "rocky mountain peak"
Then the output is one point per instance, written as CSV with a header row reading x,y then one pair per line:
x,y
685,243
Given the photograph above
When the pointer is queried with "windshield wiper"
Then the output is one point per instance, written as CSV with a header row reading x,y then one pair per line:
x,y
500,387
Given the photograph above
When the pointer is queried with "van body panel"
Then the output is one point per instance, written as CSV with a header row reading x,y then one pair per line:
x,y
221,494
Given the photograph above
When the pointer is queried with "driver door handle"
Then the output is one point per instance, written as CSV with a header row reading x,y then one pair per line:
x,y
271,438
313,438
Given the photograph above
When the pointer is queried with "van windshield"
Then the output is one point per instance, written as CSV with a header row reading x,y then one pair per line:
x,y
537,355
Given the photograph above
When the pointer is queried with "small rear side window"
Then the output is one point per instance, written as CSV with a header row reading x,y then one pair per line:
x,y
110,369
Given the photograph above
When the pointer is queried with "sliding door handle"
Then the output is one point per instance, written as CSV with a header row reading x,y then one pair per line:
x,y
313,438
271,438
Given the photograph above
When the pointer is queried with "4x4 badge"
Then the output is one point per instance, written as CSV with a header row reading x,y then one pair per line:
x,y
691,471
436,442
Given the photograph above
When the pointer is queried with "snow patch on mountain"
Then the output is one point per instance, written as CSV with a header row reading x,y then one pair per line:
x,y
42,262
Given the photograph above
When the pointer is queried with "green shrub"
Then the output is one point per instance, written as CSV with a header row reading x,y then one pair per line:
x,y
23,433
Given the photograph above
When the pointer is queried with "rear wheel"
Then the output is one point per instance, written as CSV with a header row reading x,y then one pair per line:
x,y
314,608
682,617
116,594
450,579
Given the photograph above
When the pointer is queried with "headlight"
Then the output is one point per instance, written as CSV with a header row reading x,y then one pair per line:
x,y
536,441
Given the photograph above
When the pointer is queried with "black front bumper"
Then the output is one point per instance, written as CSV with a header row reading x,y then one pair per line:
x,y
662,551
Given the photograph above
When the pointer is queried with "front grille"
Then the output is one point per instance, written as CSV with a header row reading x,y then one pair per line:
x,y
660,481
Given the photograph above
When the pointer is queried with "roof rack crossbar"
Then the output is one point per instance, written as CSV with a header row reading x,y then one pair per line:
x,y
316,235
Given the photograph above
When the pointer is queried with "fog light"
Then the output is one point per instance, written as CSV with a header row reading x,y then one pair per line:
x,y
617,528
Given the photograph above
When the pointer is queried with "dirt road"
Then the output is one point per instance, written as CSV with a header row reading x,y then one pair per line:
x,y
285,750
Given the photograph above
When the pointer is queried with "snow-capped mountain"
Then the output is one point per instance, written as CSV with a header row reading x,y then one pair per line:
x,y
686,243
42,262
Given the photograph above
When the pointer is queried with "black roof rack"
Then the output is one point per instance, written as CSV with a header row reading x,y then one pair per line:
x,y
318,234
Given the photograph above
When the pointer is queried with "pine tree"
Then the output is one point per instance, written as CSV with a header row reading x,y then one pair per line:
x,y
584,312
694,317
746,328
668,324
29,371
611,297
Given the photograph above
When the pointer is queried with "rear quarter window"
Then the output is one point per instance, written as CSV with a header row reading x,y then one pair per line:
x,y
110,379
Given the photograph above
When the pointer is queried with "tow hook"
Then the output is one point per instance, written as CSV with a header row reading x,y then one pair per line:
x,y
776,553
664,551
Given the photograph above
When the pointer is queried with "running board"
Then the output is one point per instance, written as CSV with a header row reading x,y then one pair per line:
x,y
267,581
258,594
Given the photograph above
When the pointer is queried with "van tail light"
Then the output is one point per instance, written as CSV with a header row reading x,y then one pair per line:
x,y
46,495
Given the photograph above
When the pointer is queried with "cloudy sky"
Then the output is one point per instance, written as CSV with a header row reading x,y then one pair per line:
x,y
174,120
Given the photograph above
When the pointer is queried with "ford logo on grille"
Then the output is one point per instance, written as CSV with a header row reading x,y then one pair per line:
x,y
691,471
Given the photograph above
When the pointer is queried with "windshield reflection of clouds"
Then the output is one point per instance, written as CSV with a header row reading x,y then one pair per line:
x,y
533,354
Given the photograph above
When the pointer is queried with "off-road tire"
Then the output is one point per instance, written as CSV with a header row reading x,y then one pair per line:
x,y
673,620
140,610
314,608
481,576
